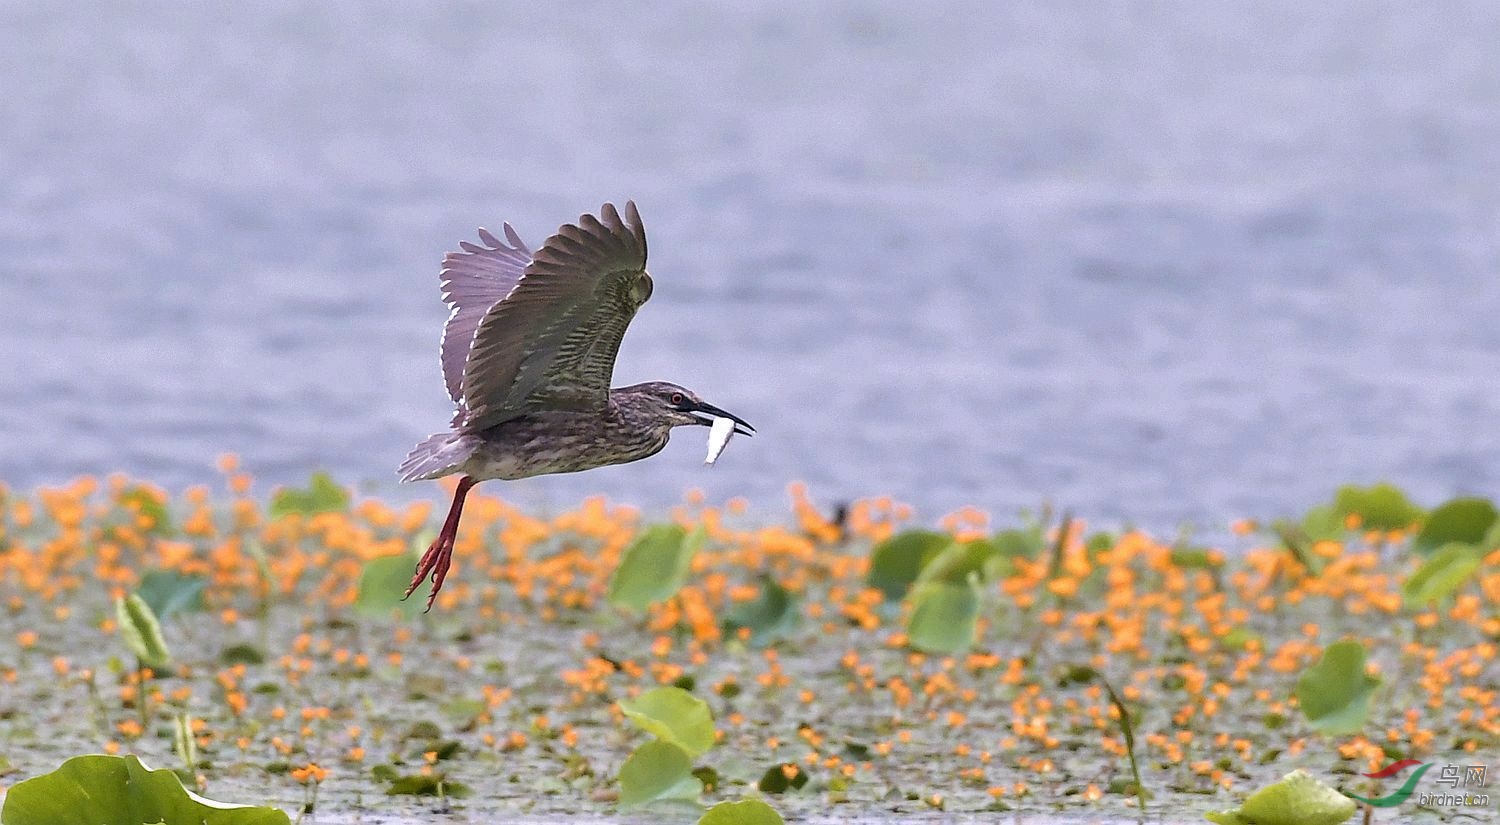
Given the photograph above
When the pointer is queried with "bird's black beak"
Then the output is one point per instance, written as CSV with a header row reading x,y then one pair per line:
x,y
706,414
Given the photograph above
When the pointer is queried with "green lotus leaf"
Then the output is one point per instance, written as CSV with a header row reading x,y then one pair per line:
x,y
1442,574
146,502
771,615
1334,693
955,562
944,617
169,592
657,770
322,495
384,579
1462,520
89,790
671,714
1295,799
654,567
1026,542
1380,507
896,562
744,812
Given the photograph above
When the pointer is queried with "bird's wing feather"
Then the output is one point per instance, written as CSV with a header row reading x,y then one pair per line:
x,y
475,279
551,342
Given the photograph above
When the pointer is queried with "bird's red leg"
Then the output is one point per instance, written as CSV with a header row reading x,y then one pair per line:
x,y
439,556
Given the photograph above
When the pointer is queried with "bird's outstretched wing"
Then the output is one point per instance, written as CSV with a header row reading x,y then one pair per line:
x,y
474,280
550,343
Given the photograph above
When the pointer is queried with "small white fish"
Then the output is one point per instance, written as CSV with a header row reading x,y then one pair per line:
x,y
718,438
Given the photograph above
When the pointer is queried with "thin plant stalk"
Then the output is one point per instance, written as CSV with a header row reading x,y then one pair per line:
x,y
1129,731
101,711
1059,547
1054,566
143,683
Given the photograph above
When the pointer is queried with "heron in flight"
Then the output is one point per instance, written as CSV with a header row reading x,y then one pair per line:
x,y
527,354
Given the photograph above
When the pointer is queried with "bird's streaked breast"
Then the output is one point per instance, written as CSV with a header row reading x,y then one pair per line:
x,y
561,442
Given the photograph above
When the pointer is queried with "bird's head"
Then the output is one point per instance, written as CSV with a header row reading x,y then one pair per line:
x,y
677,406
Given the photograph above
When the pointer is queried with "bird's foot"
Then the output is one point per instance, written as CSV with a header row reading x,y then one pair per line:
x,y
436,561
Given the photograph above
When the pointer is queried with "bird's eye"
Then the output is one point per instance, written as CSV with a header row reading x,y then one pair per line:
x,y
676,398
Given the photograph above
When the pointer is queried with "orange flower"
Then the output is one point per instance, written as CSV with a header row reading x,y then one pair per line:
x,y
310,773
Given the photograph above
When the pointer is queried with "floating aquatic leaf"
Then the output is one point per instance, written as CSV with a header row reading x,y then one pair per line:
x,y
654,567
1380,507
1334,693
1462,520
782,778
657,770
442,749
1239,638
322,495
1099,543
1442,574
1324,523
148,503
771,615
413,785
744,812
88,790
141,631
709,777
896,562
1026,543
464,712
673,715
954,563
1195,558
169,592
858,751
943,617
242,654
381,583
424,729
1295,799
434,784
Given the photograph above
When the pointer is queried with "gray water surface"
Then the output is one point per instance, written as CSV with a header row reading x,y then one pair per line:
x,y
1148,261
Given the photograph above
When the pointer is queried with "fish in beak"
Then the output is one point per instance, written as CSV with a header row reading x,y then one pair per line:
x,y
706,413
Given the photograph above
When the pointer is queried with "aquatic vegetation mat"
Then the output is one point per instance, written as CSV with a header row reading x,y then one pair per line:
x,y
744,667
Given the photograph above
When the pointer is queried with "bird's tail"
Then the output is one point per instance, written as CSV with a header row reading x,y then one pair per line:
x,y
438,456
